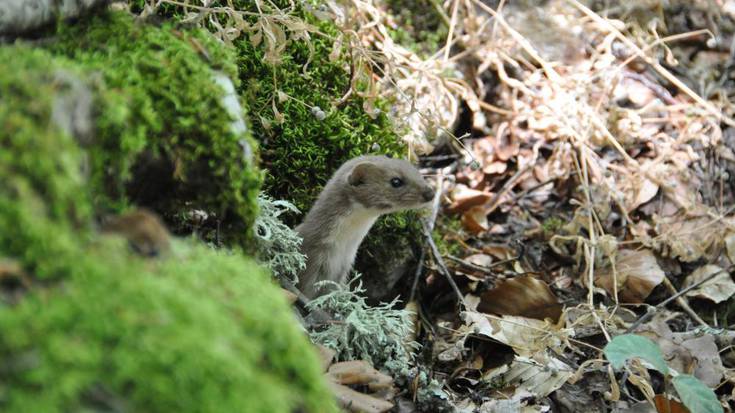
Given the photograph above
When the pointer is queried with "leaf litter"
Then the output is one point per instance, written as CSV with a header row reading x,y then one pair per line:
x,y
593,149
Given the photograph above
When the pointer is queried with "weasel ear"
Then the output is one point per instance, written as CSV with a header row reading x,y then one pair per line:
x,y
359,173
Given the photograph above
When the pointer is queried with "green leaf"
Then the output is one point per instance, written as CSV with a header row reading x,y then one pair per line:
x,y
627,346
695,395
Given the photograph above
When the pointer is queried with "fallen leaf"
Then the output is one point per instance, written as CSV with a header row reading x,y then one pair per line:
x,y
359,372
481,260
358,402
718,289
645,191
637,273
497,167
689,239
475,220
539,377
505,147
527,336
499,251
666,405
464,198
521,296
687,351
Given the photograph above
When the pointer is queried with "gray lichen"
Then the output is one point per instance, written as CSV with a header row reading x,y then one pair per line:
x,y
278,245
374,333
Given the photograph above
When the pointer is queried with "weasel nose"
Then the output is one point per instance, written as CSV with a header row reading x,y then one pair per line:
x,y
428,193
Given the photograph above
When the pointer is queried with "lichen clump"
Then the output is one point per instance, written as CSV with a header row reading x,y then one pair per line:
x,y
86,324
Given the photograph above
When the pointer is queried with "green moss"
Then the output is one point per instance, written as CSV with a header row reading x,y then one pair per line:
x,y
552,225
419,25
302,151
299,151
144,335
163,139
101,329
445,230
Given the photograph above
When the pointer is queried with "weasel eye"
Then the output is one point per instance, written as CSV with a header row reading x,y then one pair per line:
x,y
396,182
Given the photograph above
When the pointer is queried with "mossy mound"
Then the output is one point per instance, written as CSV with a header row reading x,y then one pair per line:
x,y
301,152
299,148
203,332
97,328
163,138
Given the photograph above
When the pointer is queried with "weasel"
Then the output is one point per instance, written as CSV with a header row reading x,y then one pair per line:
x,y
360,191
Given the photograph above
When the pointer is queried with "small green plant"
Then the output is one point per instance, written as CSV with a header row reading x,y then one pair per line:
x,y
695,395
552,224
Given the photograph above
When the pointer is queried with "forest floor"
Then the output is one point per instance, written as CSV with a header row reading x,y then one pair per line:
x,y
585,209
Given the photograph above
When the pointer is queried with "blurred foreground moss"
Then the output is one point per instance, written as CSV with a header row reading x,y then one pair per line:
x,y
95,327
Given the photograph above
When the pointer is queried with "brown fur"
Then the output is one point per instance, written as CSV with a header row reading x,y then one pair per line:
x,y
357,194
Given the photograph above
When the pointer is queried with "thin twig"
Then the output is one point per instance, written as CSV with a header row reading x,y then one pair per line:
x,y
436,202
683,303
652,311
440,262
509,184
417,275
482,268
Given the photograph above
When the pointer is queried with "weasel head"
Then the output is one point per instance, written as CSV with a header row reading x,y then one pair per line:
x,y
386,185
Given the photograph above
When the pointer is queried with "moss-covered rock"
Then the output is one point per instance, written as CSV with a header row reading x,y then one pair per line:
x,y
163,138
100,329
302,150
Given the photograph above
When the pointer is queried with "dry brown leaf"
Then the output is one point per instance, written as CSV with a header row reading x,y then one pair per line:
x,y
523,296
708,365
539,376
499,251
718,289
637,274
526,336
687,351
645,191
666,405
689,239
497,167
464,198
482,260
355,401
359,372
475,220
